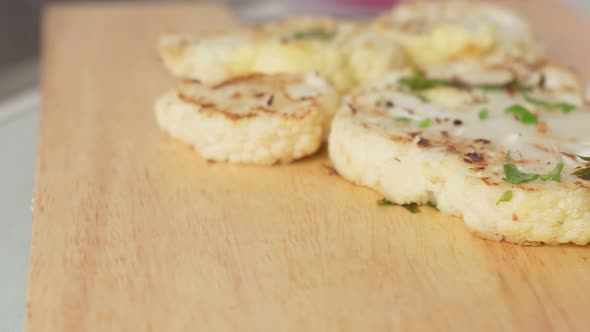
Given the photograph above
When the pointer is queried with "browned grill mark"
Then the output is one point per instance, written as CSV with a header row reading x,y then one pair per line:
x,y
400,139
457,122
514,217
570,156
238,79
389,104
198,102
423,142
444,134
474,157
489,182
236,95
270,100
259,94
452,149
299,115
529,189
542,81
233,116
540,147
542,127
523,161
352,109
482,141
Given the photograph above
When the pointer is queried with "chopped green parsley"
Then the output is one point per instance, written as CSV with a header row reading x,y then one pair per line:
x,y
403,120
583,173
484,114
506,197
432,205
419,82
513,175
385,202
522,114
554,175
425,123
423,98
313,34
508,157
564,107
412,207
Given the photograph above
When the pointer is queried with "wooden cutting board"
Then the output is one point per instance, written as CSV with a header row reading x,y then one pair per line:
x,y
134,232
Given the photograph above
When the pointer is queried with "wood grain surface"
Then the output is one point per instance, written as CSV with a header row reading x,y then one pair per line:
x,y
134,232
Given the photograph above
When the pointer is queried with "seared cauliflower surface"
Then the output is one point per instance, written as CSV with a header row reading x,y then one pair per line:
x,y
500,157
343,52
258,119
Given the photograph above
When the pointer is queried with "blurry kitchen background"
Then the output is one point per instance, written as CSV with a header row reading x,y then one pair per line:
x,y
20,28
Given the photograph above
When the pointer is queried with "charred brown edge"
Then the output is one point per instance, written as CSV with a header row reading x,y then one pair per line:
x,y
482,141
570,156
237,79
424,142
542,148
229,115
233,116
474,158
489,182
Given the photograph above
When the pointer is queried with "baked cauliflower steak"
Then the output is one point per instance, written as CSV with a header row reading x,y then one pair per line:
x,y
257,119
511,157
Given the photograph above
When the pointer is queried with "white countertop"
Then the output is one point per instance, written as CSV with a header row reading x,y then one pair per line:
x,y
18,136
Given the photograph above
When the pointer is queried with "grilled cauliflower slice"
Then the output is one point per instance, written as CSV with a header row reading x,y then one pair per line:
x,y
258,119
342,52
442,32
505,171
202,57
369,53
